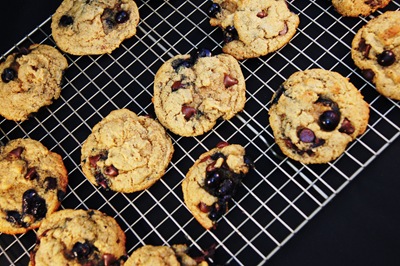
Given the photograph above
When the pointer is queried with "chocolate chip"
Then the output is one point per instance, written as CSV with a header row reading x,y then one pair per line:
x,y
177,85
368,74
262,14
306,135
101,180
284,30
188,111
31,174
346,127
111,170
50,183
364,47
222,144
210,167
109,259
16,153
373,3
229,81
386,58
93,160
204,207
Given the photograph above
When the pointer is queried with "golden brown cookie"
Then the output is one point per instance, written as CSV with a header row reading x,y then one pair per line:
x,y
79,237
126,152
191,92
149,255
33,181
253,28
30,79
376,51
89,27
355,8
315,114
212,181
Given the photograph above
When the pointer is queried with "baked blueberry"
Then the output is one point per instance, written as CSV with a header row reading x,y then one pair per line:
x,y
8,75
82,251
121,17
386,58
213,10
329,120
66,20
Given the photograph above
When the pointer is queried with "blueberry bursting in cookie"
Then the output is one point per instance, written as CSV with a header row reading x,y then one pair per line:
x,y
376,51
315,114
79,237
30,79
33,182
191,92
88,27
212,181
253,28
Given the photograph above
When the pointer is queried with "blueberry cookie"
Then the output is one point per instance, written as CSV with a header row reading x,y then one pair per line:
x,y
253,28
30,79
355,8
88,27
376,51
33,181
149,255
79,237
315,114
191,92
126,152
212,181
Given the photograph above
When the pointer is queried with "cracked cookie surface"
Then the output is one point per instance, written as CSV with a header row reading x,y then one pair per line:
x,y
212,181
79,237
30,79
315,114
33,181
88,27
376,51
253,28
150,255
355,8
192,93
126,152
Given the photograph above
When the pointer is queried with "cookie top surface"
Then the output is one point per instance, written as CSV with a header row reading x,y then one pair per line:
x,y
33,181
355,8
77,237
149,255
30,79
376,51
190,94
88,27
253,28
212,181
126,152
315,114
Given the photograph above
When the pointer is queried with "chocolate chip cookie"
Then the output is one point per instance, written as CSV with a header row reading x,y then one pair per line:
x,y
149,255
33,181
89,27
376,51
355,8
315,114
126,152
79,237
212,181
253,28
30,79
191,92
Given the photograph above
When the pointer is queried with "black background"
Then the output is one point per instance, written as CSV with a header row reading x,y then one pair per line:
x,y
361,226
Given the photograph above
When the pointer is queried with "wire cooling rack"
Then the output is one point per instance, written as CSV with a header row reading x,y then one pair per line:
x,y
276,199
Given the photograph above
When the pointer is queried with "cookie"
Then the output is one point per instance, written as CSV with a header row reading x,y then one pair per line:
x,y
355,8
191,92
376,51
90,27
212,181
253,28
126,152
33,181
30,79
79,237
162,256
315,114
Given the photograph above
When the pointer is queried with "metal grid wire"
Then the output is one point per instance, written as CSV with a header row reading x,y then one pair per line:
x,y
276,199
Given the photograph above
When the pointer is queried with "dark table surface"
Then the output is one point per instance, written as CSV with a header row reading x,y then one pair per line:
x,y
361,226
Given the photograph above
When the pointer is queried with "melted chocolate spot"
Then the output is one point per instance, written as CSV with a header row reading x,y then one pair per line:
x,y
229,81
